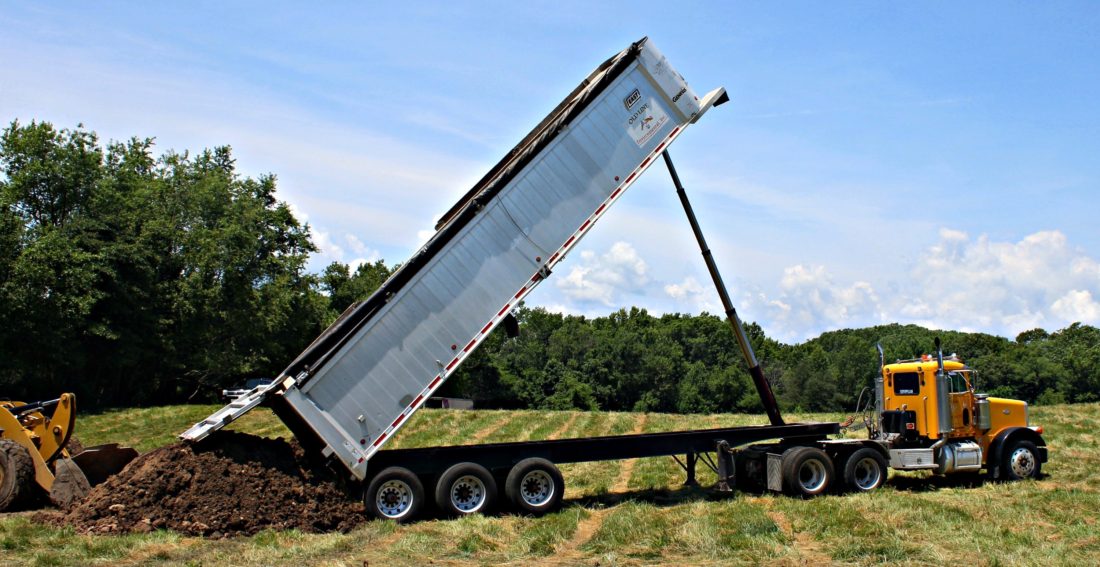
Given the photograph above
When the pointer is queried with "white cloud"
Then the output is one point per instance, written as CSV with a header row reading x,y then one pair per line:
x,y
808,300
1077,305
689,288
958,283
326,248
601,279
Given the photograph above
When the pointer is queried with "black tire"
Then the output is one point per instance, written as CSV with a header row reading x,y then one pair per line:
x,y
17,485
466,488
535,486
1020,460
395,494
806,471
865,470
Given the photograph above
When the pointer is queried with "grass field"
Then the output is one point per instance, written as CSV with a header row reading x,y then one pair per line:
x,y
636,512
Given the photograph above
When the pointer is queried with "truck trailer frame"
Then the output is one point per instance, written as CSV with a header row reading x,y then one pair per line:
x,y
356,385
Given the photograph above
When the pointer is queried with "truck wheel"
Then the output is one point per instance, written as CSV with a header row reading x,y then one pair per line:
x,y
535,486
807,471
17,486
1020,460
395,494
466,488
865,470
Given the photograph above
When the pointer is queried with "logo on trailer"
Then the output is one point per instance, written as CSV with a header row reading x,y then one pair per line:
x,y
679,94
632,98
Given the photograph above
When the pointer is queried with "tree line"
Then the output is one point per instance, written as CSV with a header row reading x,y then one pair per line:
x,y
137,279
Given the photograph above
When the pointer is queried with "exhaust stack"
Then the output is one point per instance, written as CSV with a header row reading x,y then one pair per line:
x,y
880,390
943,399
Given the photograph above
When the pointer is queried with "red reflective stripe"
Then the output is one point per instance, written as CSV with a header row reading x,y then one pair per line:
x,y
450,366
600,209
536,277
658,149
379,440
417,400
438,378
469,346
505,308
485,329
398,420
552,258
568,242
646,160
617,191
585,225
631,176
519,293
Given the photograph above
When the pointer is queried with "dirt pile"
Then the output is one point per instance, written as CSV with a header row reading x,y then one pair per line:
x,y
230,484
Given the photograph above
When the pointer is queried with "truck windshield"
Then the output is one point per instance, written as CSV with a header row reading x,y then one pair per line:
x,y
957,382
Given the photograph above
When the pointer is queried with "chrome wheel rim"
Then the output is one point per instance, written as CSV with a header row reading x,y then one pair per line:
x,y
867,473
811,475
1022,462
468,494
394,499
536,488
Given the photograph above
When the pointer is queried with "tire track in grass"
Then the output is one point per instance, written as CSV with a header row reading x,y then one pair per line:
x,y
627,468
569,552
503,420
419,425
594,477
809,549
565,426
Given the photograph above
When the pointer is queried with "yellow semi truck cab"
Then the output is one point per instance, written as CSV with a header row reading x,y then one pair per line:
x,y
931,418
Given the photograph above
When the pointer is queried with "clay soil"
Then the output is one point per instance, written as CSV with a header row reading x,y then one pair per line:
x,y
229,484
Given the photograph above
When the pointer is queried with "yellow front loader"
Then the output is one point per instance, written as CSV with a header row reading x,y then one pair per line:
x,y
39,456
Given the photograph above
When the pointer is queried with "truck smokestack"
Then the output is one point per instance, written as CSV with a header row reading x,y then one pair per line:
x,y
943,399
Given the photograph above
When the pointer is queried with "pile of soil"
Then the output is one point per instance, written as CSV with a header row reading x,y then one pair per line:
x,y
229,484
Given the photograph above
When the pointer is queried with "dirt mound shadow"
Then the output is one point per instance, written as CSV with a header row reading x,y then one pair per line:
x,y
229,484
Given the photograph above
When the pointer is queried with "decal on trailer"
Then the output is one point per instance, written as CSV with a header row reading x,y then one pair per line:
x,y
645,122
633,98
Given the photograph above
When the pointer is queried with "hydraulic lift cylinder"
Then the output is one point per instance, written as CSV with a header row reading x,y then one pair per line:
x,y
767,398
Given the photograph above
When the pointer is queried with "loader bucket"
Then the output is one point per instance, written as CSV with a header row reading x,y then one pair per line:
x,y
69,484
103,461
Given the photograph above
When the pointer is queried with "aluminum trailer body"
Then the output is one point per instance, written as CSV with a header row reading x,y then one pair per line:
x,y
361,380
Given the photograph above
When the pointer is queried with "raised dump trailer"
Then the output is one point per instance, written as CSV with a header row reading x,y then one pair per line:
x,y
360,381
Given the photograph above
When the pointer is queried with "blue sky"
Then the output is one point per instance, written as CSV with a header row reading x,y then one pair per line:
x,y
929,163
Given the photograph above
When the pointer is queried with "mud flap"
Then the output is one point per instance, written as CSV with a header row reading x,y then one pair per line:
x,y
69,484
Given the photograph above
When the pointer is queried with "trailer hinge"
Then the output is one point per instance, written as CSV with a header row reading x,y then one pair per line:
x,y
544,271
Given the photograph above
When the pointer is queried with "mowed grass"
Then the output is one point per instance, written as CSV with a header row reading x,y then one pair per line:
x,y
637,512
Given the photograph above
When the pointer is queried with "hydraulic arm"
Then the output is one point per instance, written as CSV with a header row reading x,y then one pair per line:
x,y
762,387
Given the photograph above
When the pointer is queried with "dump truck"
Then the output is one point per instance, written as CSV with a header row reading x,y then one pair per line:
x,y
925,416
362,379
40,457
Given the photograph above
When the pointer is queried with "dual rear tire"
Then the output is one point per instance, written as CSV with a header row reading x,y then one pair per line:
x,y
533,486
809,471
